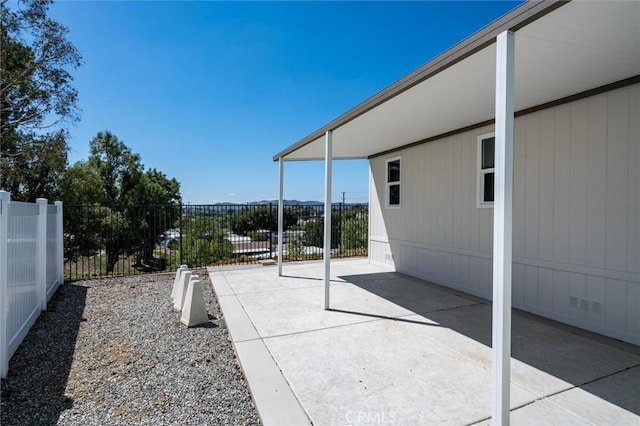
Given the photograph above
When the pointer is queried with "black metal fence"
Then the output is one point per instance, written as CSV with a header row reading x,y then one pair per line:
x,y
102,241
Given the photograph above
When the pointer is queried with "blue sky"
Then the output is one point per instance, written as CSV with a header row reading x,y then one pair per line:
x,y
208,92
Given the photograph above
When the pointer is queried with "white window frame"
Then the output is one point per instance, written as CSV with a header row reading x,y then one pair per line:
x,y
388,184
480,203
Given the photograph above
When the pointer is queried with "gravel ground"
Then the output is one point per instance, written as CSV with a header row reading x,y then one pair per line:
x,y
113,351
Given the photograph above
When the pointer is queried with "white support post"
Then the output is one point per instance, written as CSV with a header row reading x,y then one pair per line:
x,y
5,199
280,214
502,229
41,252
328,158
59,243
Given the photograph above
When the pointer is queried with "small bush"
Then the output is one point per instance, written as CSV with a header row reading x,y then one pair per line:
x,y
295,249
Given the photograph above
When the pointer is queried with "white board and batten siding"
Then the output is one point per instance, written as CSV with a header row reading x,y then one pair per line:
x,y
576,217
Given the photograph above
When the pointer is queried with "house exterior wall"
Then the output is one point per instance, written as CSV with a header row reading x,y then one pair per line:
x,y
576,217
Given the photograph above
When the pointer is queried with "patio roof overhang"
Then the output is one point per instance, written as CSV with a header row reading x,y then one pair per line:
x,y
561,50
539,54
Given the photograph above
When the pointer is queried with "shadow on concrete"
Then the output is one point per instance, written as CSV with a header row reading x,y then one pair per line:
x,y
599,365
34,391
311,278
397,319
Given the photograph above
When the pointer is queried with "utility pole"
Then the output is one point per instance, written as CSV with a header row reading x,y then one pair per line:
x,y
343,197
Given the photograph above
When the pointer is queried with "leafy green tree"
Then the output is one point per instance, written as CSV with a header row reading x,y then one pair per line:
x,y
349,230
83,218
37,91
253,218
159,200
314,231
79,185
156,188
114,173
355,233
113,177
355,211
295,249
36,97
33,165
119,169
203,243
305,212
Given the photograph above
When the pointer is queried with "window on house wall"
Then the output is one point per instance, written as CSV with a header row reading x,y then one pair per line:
x,y
393,183
486,171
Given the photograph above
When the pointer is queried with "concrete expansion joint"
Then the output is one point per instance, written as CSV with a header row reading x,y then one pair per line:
x,y
373,318
578,386
247,340
332,327
478,421
273,290
605,376
453,308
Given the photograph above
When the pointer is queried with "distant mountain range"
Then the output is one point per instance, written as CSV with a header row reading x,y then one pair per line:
x,y
266,202
286,203
289,202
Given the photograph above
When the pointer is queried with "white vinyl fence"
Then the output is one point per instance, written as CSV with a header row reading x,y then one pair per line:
x,y
31,262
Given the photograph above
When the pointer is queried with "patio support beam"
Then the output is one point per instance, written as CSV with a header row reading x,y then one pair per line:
x,y
328,148
280,213
502,229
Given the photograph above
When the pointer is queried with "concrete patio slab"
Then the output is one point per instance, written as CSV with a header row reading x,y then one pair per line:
x,y
245,283
593,401
277,403
306,305
238,322
544,413
541,351
397,350
220,285
375,366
